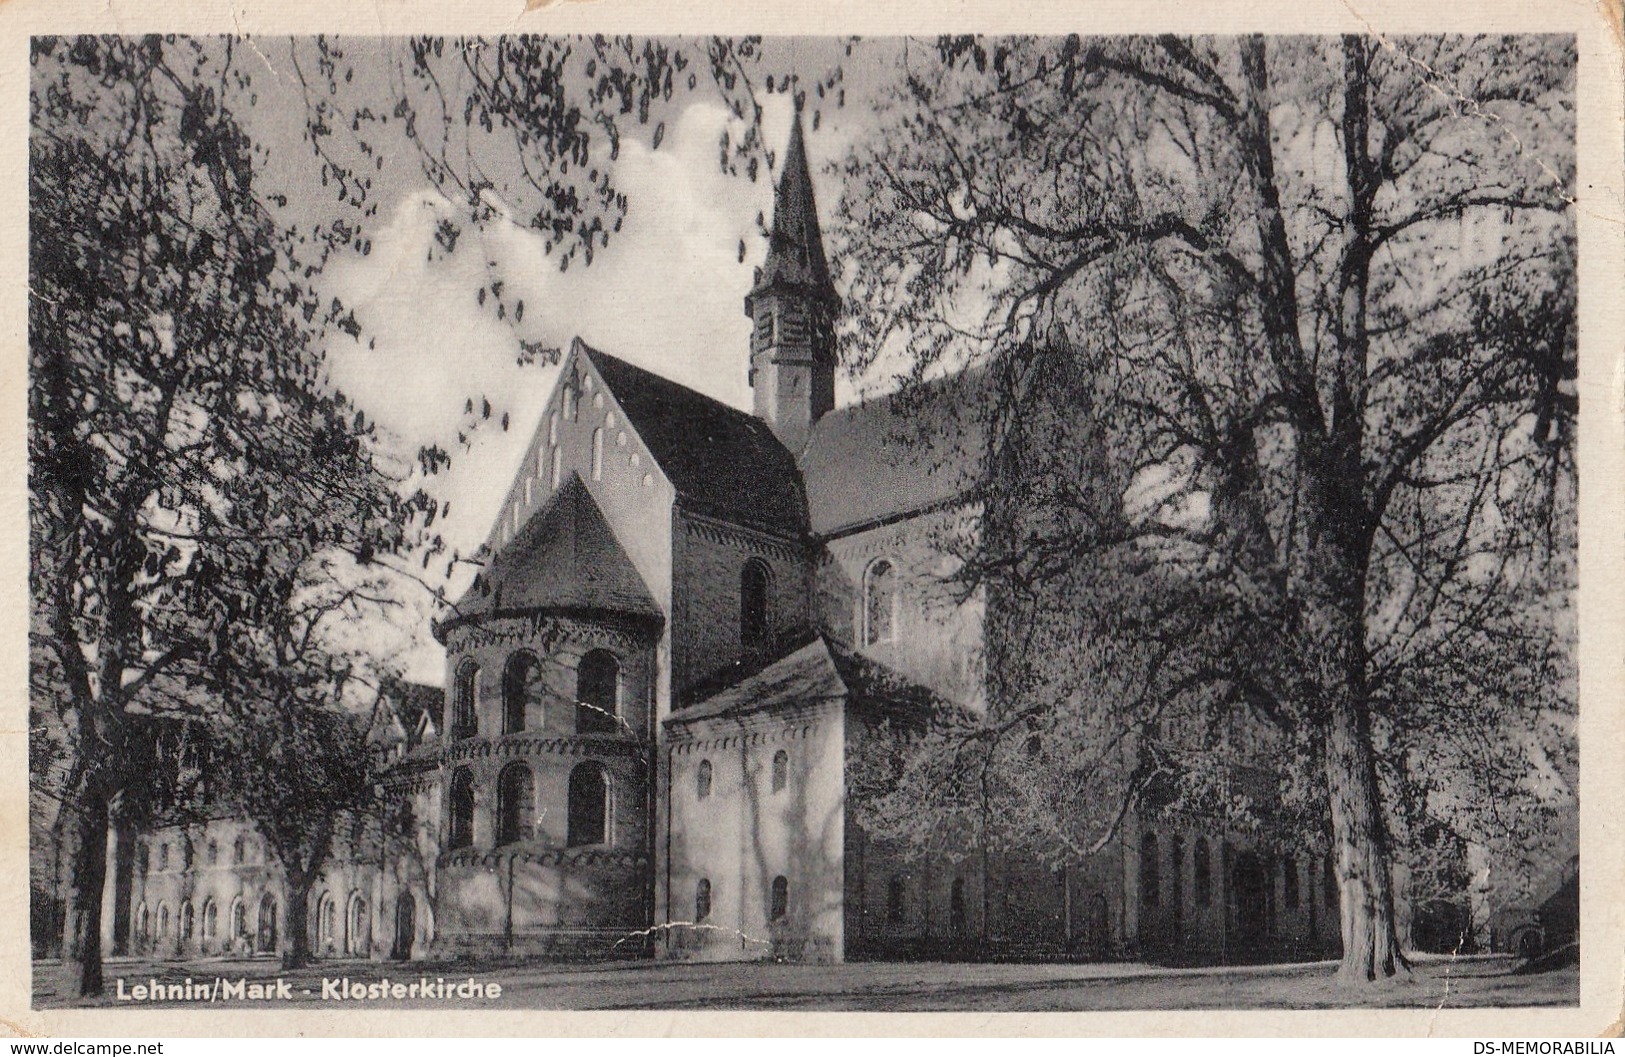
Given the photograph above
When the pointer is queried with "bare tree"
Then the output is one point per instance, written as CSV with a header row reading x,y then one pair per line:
x,y
1315,299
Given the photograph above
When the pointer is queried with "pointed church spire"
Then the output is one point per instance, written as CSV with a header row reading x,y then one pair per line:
x,y
792,306
795,250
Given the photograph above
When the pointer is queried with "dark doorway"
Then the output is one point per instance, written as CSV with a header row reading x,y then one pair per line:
x,y
406,913
1251,894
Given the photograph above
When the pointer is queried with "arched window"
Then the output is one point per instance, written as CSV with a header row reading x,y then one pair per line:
x,y
462,809
326,933
238,851
239,920
143,923
163,921
753,595
781,899
571,398
188,920
781,770
894,899
163,856
1289,867
1328,881
598,454
358,937
556,469
702,900
516,796
588,821
702,780
1204,873
598,680
211,920
143,857
1150,871
879,603
212,856
956,907
521,691
465,701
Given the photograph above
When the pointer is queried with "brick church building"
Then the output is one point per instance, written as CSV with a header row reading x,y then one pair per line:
x,y
689,620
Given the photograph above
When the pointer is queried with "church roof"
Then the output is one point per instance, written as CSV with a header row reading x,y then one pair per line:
x,y
565,557
901,454
722,461
820,670
412,701
795,248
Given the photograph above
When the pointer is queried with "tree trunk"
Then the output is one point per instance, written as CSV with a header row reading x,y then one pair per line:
x,y
1371,953
82,942
296,946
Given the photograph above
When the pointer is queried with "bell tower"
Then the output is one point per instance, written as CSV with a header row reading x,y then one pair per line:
x,y
792,307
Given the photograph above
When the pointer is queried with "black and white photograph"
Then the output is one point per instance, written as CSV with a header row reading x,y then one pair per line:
x,y
930,523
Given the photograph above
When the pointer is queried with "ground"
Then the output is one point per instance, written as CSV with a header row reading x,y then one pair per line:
x,y
886,986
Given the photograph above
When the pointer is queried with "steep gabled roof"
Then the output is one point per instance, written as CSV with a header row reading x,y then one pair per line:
x,y
412,702
896,455
564,558
722,461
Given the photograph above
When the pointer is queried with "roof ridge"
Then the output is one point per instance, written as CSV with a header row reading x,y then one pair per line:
x,y
745,417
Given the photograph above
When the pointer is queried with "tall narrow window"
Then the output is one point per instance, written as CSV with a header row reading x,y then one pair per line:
x,y
780,905
1176,855
163,920
588,821
213,854
702,900
237,852
702,780
753,592
598,693
598,454
1150,871
1289,885
557,468
462,809
879,603
516,796
211,920
188,921
521,691
465,701
163,856
781,770
1204,873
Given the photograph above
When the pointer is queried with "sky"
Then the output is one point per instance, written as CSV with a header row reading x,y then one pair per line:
x,y
667,294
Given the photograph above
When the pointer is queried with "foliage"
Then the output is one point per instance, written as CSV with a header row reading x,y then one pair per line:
x,y
1314,298
186,459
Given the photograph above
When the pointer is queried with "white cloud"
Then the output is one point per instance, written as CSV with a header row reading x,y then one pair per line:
x,y
666,294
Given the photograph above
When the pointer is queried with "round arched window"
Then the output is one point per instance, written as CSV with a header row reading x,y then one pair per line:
x,y
522,691
880,603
